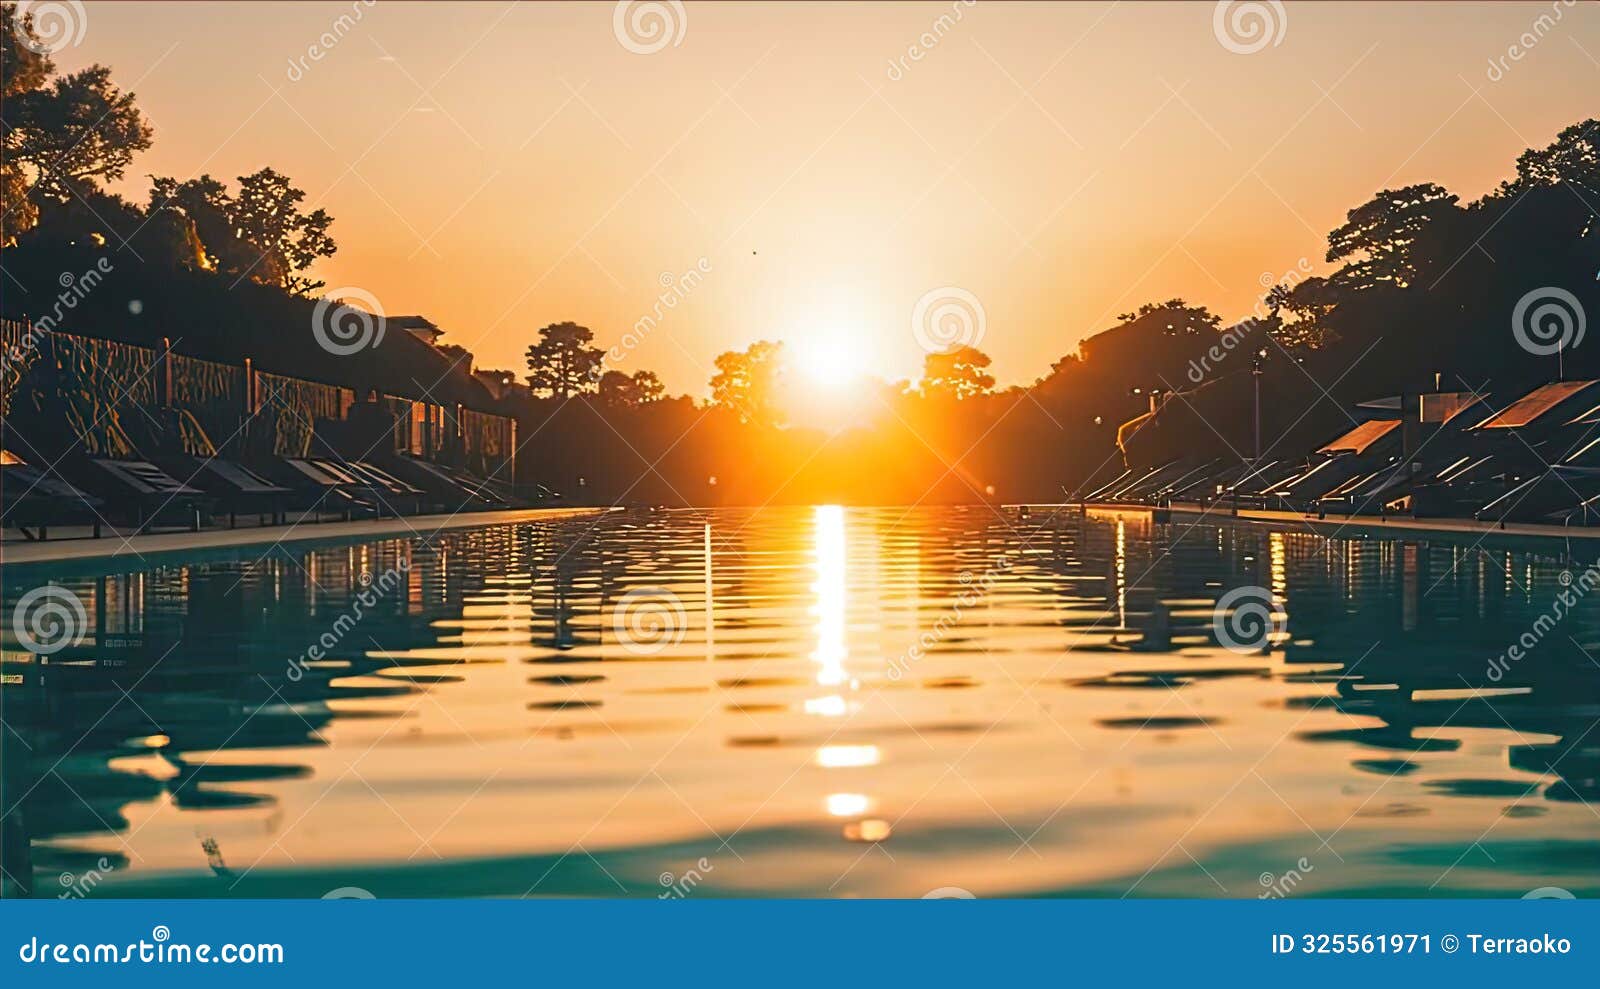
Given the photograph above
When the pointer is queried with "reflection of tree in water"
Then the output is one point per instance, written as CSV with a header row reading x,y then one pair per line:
x,y
182,662
1408,629
1415,628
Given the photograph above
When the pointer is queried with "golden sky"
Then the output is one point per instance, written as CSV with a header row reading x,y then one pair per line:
x,y
501,166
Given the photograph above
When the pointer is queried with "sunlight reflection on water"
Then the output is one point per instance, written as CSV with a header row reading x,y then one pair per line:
x,y
896,700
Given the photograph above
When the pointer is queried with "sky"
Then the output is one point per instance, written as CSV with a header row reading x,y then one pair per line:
x,y
836,180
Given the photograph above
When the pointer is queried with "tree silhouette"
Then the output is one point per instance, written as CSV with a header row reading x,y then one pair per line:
x,y
1573,157
1181,318
457,355
1310,303
22,69
261,233
71,135
24,65
620,390
205,205
957,373
563,364
647,387
616,390
1420,285
749,382
1380,240
267,216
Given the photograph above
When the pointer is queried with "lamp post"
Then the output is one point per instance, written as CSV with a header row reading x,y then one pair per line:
x,y
1255,374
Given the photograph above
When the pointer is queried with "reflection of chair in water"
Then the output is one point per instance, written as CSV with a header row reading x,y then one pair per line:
x,y
1157,629
16,851
1419,669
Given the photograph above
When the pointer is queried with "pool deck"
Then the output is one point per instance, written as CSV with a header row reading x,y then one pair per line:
x,y
165,543
1354,525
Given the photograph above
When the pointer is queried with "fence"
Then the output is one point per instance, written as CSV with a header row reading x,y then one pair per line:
x,y
489,442
212,397
114,399
101,388
287,411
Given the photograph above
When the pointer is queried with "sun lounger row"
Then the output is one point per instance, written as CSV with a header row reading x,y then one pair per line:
x,y
1531,457
177,491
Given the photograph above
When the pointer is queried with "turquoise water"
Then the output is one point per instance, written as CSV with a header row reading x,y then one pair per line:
x,y
811,702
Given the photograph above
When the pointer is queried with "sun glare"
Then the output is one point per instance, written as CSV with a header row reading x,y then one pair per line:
x,y
831,359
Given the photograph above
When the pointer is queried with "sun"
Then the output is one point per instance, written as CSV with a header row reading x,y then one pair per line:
x,y
831,359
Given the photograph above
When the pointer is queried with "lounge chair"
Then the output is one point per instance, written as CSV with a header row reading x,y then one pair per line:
x,y
236,488
150,492
443,486
1103,491
312,487
491,489
32,500
391,490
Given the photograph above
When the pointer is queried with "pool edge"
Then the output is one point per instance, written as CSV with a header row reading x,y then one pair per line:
x,y
168,543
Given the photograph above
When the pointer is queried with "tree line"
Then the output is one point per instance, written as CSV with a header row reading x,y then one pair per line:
x,y
1421,284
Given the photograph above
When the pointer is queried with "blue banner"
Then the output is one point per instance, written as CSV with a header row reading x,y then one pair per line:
x,y
729,942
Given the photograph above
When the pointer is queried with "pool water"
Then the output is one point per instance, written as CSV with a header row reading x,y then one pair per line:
x,y
813,702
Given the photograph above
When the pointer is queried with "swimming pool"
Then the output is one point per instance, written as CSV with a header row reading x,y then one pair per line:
x,y
808,702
